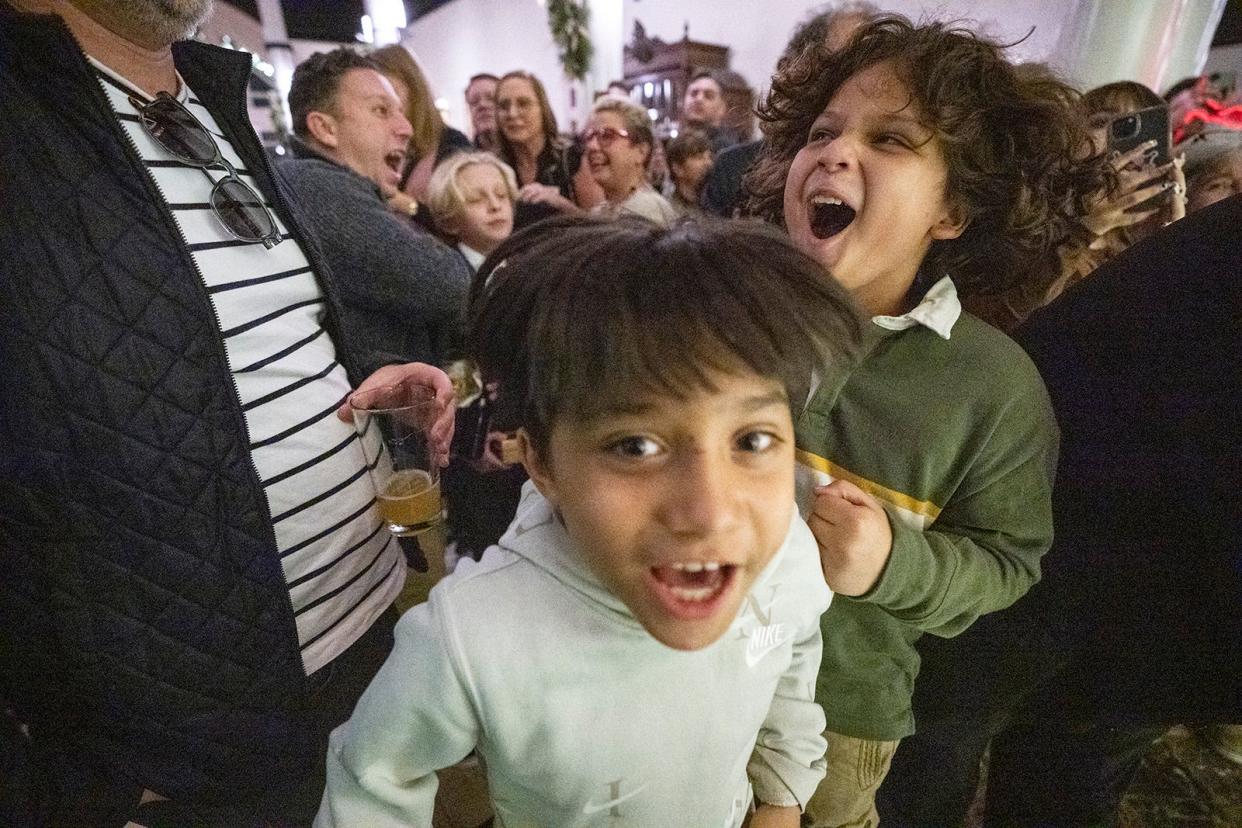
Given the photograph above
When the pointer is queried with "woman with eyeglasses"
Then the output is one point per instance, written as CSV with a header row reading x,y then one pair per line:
x,y
618,143
545,163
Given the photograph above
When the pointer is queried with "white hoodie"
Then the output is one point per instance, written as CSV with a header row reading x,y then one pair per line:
x,y
581,717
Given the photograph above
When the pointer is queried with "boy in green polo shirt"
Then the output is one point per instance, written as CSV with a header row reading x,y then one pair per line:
x,y
913,164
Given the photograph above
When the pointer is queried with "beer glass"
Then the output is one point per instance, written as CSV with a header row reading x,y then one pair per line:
x,y
394,424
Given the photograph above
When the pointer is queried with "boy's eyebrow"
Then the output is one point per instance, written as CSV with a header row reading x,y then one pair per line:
x,y
900,116
632,407
761,401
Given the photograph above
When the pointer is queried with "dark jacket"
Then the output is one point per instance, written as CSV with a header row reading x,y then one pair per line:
x,y
145,623
1143,361
403,290
722,192
1137,617
555,167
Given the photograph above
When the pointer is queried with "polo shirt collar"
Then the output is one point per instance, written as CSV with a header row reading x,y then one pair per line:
x,y
939,311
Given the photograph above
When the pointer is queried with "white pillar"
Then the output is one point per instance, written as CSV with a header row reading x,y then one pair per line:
x,y
607,29
1155,42
387,20
279,52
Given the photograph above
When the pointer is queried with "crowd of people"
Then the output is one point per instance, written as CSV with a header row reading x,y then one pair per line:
x,y
801,472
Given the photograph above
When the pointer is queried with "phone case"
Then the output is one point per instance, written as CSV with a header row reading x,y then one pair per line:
x,y
1125,132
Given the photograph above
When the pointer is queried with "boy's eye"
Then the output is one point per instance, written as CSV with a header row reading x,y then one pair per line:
x,y
820,134
756,441
634,447
893,139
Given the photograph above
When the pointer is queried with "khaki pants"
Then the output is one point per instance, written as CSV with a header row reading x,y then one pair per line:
x,y
846,797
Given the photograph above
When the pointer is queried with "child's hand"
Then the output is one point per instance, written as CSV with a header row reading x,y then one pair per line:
x,y
772,816
853,534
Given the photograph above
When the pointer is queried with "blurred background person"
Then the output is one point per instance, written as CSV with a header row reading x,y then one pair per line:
x,y
689,162
1213,165
618,143
431,140
471,196
1143,197
704,107
545,163
481,103
402,289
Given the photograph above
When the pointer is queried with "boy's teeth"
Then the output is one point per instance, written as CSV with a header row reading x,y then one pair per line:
x,y
693,594
696,566
826,200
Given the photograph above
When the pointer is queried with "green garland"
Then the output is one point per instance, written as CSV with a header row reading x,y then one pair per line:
x,y
568,21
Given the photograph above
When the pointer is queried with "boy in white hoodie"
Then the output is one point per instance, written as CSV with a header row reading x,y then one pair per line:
x,y
641,648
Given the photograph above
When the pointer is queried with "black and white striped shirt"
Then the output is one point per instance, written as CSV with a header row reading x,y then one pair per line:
x,y
342,568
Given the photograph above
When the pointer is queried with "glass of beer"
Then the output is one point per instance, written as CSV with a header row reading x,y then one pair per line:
x,y
394,424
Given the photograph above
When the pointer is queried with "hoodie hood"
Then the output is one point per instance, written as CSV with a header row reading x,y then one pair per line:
x,y
538,535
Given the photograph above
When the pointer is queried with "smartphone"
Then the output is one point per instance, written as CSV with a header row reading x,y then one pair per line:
x,y
1125,132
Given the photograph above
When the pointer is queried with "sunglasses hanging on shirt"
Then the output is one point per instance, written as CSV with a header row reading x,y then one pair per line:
x,y
235,203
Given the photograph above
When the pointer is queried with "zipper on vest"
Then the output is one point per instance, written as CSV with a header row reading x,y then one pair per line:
x,y
162,205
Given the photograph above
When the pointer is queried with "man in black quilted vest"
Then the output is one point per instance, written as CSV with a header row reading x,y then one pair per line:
x,y
195,584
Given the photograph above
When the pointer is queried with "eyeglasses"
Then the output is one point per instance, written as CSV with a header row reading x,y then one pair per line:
x,y
607,136
235,203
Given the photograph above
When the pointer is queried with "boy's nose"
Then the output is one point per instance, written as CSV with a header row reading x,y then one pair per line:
x,y
700,499
838,153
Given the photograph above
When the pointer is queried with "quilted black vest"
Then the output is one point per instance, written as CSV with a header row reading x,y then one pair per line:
x,y
144,618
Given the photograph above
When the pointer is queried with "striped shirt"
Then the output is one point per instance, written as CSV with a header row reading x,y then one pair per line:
x,y
340,563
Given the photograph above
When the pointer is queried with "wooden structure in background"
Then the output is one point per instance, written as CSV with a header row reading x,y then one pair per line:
x,y
657,74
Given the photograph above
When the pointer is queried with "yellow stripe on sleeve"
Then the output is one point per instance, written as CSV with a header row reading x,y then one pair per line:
x,y
923,508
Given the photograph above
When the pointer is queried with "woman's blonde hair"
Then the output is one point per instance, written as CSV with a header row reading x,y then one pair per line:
x,y
444,195
420,106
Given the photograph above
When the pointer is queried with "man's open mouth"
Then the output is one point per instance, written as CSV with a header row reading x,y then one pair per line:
x,y
829,216
393,161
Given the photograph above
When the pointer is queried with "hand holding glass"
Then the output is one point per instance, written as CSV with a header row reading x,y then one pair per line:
x,y
393,424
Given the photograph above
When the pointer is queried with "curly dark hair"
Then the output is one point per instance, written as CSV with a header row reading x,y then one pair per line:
x,y
1019,160
315,81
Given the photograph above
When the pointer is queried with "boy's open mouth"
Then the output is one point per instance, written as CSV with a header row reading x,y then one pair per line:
x,y
692,589
830,216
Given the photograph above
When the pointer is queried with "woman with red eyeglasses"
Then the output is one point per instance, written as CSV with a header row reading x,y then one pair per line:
x,y
618,143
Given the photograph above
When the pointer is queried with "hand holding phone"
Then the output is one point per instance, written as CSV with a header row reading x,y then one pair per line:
x,y
1134,129
1142,188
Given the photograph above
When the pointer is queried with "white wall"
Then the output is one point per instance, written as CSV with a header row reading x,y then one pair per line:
x,y
758,31
1226,59
466,37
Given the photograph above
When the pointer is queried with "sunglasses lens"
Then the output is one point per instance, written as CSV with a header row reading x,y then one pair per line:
x,y
241,210
179,132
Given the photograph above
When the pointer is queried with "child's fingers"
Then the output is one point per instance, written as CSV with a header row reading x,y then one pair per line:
x,y
845,491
